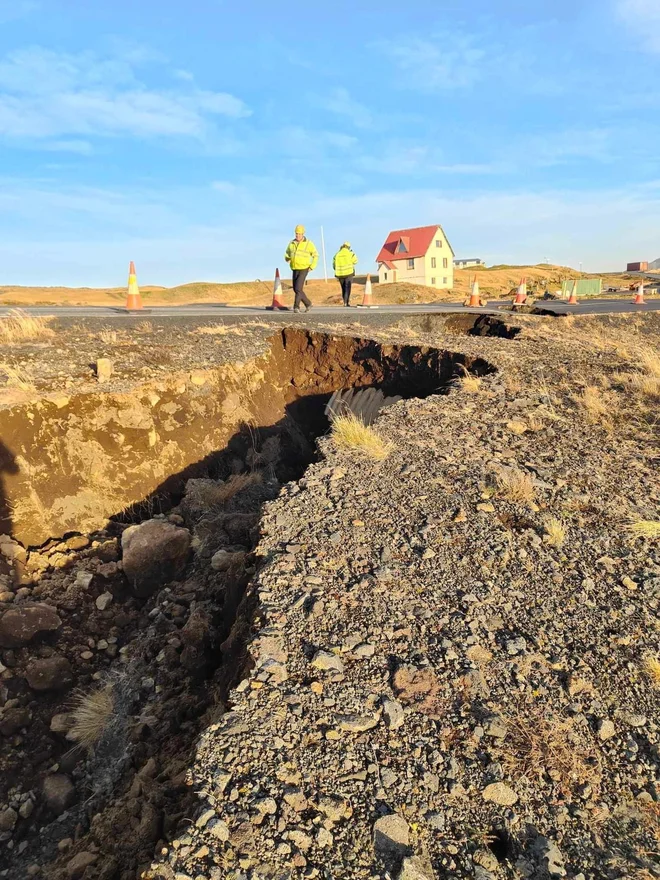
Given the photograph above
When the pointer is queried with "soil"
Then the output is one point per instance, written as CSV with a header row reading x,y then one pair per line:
x,y
405,672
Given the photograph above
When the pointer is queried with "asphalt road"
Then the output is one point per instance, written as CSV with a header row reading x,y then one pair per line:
x,y
586,307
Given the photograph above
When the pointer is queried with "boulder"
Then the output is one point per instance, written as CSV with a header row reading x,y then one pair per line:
x,y
59,792
154,553
19,626
12,720
392,836
79,864
50,674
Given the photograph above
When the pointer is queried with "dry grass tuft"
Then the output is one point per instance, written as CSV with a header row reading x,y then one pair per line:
x,y
538,743
515,485
107,336
144,327
350,432
596,409
216,494
644,528
17,378
21,327
649,361
555,532
91,715
468,382
219,330
651,667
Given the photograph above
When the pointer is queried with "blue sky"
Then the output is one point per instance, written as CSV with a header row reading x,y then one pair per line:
x,y
193,137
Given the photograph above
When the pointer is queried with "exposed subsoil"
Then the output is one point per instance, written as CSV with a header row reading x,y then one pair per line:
x,y
394,670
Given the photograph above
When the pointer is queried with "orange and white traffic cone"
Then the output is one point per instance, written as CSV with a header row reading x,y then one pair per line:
x,y
367,299
278,301
475,299
133,298
639,295
521,296
572,300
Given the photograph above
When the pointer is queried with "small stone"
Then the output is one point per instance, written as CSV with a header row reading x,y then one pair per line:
x,y
266,806
335,808
414,868
19,626
499,793
61,723
301,840
324,838
393,714
104,601
296,799
549,856
219,829
8,818
206,817
154,553
59,792
50,674
84,579
391,835
13,719
328,662
79,864
357,723
516,646
223,560
103,369
26,809
606,730
486,507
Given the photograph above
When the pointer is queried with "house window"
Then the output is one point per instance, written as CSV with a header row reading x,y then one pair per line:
x,y
444,280
444,263
438,242
433,282
385,276
411,264
402,249
433,262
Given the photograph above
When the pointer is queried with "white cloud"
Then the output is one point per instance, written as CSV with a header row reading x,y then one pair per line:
x,y
444,63
341,103
44,94
643,18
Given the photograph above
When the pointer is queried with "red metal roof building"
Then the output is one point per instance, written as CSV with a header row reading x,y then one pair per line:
x,y
421,255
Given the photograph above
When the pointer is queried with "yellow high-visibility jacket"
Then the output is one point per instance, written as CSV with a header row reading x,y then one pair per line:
x,y
343,262
301,254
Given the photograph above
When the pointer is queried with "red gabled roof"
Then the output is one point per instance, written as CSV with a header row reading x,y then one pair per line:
x,y
417,242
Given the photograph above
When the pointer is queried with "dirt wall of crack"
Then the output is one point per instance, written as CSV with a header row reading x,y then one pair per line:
x,y
155,615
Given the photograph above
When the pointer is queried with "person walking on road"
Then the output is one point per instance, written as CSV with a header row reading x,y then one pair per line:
x,y
343,263
302,256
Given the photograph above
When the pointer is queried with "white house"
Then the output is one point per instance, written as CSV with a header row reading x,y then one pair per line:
x,y
421,255
469,261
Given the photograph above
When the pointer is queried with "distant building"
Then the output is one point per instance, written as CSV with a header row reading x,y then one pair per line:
x,y
466,263
421,255
655,265
637,267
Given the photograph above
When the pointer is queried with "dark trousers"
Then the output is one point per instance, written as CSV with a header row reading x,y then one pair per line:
x,y
299,276
346,282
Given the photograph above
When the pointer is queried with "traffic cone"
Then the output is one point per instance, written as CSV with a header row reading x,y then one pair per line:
x,y
133,299
521,296
475,299
367,302
572,300
639,295
278,302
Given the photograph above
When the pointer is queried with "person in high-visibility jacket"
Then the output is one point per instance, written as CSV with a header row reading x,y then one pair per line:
x,y
343,263
302,256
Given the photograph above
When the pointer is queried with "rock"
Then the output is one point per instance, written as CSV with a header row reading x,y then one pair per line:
x,y
357,723
205,818
154,553
61,723
223,560
334,808
301,840
19,626
516,646
420,688
14,551
549,856
393,714
391,836
59,792
50,674
414,868
103,369
77,542
327,661
219,830
79,863
84,579
104,601
606,729
12,720
8,818
499,793
26,809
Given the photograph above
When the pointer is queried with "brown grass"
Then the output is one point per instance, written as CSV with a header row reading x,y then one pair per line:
x,y
218,494
350,432
91,715
468,382
644,528
651,668
595,408
21,327
515,485
539,742
555,532
17,378
144,327
107,336
219,330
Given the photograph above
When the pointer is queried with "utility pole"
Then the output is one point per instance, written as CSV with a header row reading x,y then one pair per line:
x,y
325,268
